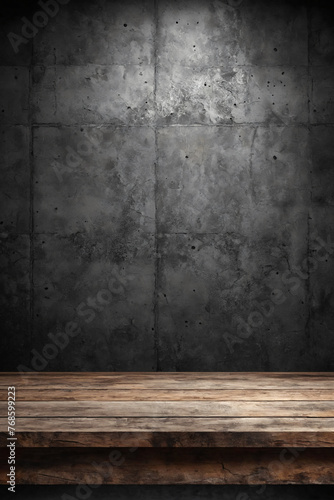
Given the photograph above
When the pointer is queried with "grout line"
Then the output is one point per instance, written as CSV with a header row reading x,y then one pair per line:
x,y
31,208
174,125
156,257
309,103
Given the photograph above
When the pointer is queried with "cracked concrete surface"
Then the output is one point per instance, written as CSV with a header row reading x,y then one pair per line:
x,y
166,177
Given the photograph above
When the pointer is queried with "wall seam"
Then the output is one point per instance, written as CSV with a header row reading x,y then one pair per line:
x,y
31,214
156,242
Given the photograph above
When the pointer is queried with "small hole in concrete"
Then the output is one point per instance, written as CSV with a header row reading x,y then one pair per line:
x,y
125,25
186,156
193,247
275,49
275,158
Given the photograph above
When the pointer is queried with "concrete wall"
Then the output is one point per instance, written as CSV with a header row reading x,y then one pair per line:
x,y
167,185
167,194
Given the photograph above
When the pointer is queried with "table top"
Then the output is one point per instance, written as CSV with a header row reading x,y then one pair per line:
x,y
171,409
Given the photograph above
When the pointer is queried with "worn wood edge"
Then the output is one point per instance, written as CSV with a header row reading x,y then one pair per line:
x,y
173,466
170,439
172,380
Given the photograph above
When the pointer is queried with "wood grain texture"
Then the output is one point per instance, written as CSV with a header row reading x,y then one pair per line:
x,y
173,466
171,380
83,394
171,439
171,409
171,424
151,409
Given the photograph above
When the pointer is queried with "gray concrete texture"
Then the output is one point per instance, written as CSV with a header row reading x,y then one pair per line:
x,y
167,185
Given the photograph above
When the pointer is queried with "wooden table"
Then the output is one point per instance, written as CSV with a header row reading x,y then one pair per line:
x,y
171,428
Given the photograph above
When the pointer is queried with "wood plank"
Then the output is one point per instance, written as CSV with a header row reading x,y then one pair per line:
x,y
171,439
160,380
150,409
27,394
171,424
172,466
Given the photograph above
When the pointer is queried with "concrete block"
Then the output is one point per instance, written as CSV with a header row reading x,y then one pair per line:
x,y
100,294
322,166
321,328
198,34
14,95
203,179
322,97
15,180
274,33
275,95
281,165
321,35
14,300
88,179
15,50
103,94
99,32
208,296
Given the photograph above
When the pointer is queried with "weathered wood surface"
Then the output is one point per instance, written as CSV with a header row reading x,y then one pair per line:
x,y
222,409
89,394
171,380
172,466
172,439
151,409
171,424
